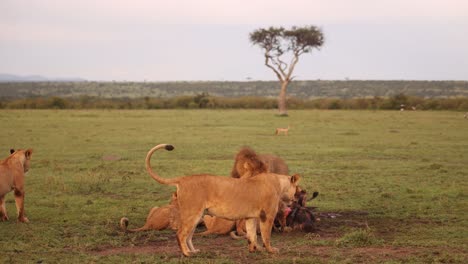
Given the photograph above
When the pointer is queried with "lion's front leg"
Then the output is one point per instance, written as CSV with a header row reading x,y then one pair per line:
x,y
19,199
251,228
3,212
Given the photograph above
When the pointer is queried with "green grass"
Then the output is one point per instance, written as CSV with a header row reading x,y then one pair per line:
x,y
407,171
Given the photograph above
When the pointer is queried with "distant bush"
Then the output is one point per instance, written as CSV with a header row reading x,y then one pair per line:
x,y
206,101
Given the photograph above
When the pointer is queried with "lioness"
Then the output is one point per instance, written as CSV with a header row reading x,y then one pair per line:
x,y
248,163
12,170
249,198
159,218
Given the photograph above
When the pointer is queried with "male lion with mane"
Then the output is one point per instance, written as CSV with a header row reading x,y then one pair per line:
x,y
248,163
248,198
12,170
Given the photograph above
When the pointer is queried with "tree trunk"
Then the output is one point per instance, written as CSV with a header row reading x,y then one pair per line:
x,y
282,99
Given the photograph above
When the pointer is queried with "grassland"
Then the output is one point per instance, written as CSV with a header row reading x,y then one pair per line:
x,y
393,185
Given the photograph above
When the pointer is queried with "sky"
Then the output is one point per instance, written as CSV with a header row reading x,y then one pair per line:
x,y
208,40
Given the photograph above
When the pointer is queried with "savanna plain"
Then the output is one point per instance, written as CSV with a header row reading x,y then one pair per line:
x,y
393,185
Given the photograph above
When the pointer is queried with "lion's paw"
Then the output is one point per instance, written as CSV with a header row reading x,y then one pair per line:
x,y
273,250
23,220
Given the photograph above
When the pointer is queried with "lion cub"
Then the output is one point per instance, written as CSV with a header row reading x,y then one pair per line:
x,y
12,170
252,198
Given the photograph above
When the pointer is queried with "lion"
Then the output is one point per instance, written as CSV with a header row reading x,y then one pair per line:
x,y
216,225
12,171
248,163
252,198
159,218
280,223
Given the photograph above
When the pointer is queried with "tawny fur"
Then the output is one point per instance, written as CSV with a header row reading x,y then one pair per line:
x,y
12,171
280,218
159,218
252,198
283,130
247,163
220,226
216,225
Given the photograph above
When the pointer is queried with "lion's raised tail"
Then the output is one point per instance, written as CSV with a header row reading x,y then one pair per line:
x,y
154,174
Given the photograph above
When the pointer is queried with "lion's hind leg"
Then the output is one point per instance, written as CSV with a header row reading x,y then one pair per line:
x,y
189,242
3,212
188,223
251,228
266,225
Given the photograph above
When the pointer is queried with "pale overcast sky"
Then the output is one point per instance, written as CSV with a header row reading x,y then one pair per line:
x,y
174,40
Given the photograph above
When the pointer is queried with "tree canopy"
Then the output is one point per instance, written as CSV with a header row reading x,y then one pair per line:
x,y
282,49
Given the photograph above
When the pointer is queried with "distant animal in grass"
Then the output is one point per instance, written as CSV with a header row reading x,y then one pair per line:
x,y
283,130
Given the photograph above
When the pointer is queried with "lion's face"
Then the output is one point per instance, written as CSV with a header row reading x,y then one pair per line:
x,y
288,195
26,166
27,159
24,156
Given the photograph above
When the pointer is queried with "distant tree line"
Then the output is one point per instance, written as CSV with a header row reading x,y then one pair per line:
x,y
300,89
207,101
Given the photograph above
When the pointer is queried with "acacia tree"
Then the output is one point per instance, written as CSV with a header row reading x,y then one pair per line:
x,y
281,45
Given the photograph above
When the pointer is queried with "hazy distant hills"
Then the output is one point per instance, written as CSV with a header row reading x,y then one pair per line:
x,y
15,89
5,77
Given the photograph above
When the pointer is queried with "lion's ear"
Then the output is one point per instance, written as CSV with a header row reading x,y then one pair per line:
x,y
295,178
28,153
12,151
